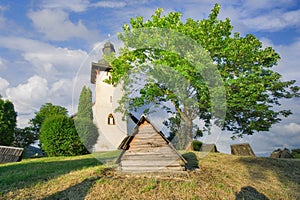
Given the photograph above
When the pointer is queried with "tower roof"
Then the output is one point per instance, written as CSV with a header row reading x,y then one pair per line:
x,y
102,65
108,48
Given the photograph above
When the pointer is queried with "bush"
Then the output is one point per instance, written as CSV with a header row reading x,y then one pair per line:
x,y
59,137
197,145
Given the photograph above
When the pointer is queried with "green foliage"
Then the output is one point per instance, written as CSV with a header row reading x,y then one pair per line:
x,y
87,132
23,137
59,137
46,110
86,129
296,153
8,121
197,145
85,104
253,89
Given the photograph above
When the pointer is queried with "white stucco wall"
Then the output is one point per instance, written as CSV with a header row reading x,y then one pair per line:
x,y
110,136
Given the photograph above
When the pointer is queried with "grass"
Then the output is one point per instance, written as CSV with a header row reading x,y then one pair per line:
x,y
219,176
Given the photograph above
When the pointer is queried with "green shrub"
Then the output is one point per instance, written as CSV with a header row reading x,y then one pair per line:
x,y
59,137
197,145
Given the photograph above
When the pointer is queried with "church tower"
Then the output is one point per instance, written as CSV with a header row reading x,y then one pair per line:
x,y
111,128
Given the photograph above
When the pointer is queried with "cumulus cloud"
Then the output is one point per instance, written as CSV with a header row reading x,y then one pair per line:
x,y
289,63
274,21
48,61
56,25
61,62
60,92
28,97
3,85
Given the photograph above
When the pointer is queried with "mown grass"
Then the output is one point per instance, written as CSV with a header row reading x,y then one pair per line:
x,y
219,176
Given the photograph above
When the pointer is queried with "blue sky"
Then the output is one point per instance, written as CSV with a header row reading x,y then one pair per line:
x,y
43,44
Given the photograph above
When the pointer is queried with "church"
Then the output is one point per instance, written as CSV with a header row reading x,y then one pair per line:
x,y
111,128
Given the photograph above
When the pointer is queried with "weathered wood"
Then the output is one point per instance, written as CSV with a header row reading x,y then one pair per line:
x,y
148,150
149,157
242,149
208,148
10,154
151,169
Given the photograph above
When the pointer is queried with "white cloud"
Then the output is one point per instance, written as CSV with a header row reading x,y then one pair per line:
x,y
274,21
73,5
56,61
3,85
60,92
48,61
292,128
28,97
289,63
56,25
109,4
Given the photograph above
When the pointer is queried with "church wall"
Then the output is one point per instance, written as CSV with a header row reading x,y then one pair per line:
x,y
111,135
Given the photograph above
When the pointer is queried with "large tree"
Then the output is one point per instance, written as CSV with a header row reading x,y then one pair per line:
x,y
253,90
85,127
23,137
46,110
8,122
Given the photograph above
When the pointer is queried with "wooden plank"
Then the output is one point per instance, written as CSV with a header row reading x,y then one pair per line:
x,y
148,157
151,169
161,163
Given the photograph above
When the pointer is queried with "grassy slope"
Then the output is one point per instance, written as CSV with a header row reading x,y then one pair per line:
x,y
220,177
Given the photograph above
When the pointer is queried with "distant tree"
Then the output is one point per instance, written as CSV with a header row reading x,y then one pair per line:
x,y
46,110
59,137
252,88
8,122
85,127
23,137
296,153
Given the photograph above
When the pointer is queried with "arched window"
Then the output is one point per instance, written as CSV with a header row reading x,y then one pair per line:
x,y
110,119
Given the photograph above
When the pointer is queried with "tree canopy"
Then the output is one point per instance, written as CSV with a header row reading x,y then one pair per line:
x,y
8,122
46,110
252,88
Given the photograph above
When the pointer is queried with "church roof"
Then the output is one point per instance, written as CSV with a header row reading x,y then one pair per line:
x,y
102,65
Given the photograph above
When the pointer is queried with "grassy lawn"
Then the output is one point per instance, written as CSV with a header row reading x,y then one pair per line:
x,y
219,176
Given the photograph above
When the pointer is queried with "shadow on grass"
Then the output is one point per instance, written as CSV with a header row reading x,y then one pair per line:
x,y
78,191
250,193
286,170
192,160
26,174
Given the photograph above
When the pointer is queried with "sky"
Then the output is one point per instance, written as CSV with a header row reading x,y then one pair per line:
x,y
46,47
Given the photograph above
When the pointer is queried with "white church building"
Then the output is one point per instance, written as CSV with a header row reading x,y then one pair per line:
x,y
111,128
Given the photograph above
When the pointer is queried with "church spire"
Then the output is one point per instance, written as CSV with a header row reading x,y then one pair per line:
x,y
108,48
